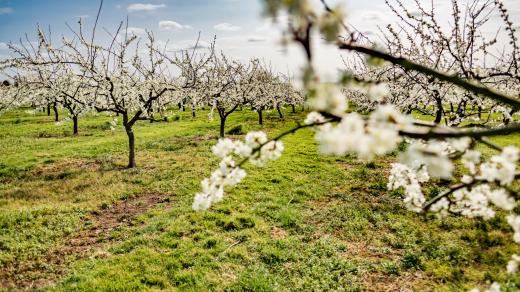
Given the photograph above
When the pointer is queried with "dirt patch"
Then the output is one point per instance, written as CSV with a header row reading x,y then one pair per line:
x,y
109,219
278,233
366,251
377,281
85,243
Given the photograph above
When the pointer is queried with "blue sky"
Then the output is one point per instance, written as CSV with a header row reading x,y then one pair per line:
x,y
240,29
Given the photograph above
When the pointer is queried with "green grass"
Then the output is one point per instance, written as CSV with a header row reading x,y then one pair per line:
x,y
304,222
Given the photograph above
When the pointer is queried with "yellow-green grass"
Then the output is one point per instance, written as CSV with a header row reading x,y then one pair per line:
x,y
304,222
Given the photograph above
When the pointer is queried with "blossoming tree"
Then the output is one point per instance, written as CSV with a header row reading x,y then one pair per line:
x,y
121,77
464,47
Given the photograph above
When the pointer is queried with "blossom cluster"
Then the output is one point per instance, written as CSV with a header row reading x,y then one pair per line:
x,y
377,135
482,190
410,178
256,148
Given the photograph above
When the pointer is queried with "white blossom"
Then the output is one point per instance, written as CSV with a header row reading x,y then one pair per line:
x,y
512,265
500,168
328,98
470,159
473,203
514,221
255,139
441,206
223,147
495,287
241,149
314,118
501,199
378,92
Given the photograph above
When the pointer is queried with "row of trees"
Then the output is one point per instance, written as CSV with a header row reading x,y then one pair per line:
x,y
137,79
469,46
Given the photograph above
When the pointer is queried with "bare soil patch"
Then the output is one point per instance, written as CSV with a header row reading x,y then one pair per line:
x,y
278,233
377,281
85,243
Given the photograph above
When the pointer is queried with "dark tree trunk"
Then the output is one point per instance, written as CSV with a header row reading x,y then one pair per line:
x,y
193,112
279,111
222,126
293,108
48,109
131,141
260,117
75,124
131,147
438,114
56,114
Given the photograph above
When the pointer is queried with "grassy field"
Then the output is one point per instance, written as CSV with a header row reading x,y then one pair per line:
x,y
72,218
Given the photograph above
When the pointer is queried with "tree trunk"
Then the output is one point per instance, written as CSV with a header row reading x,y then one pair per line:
x,y
56,114
75,124
293,108
193,112
260,117
131,146
438,114
49,109
222,126
279,111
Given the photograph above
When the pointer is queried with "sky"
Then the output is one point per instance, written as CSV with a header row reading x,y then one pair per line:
x,y
240,29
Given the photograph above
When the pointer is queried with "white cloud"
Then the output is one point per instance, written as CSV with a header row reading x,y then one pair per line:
x,y
6,10
226,27
3,46
134,7
169,24
256,39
